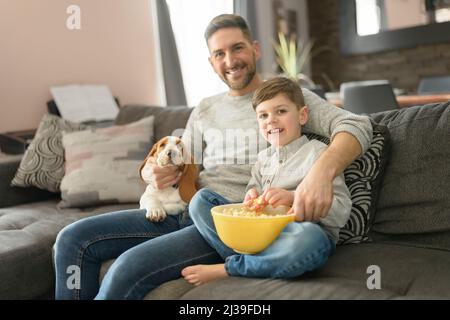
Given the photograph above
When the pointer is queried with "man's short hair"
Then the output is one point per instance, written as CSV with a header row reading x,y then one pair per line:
x,y
228,21
270,88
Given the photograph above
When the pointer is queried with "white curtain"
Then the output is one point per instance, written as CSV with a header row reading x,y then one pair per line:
x,y
189,21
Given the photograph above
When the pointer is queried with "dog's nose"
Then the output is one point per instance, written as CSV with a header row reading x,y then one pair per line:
x,y
169,154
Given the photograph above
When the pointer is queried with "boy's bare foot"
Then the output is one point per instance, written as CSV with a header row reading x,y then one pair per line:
x,y
201,273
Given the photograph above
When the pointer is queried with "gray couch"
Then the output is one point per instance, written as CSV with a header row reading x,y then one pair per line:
x,y
410,234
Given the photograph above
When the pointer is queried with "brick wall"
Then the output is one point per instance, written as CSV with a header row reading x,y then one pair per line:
x,y
402,67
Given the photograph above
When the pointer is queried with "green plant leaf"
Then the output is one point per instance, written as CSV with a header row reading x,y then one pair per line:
x,y
292,56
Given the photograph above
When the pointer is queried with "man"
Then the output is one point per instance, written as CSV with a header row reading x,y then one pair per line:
x,y
148,254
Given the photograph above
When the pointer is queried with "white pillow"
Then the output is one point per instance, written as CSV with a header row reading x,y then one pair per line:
x,y
102,165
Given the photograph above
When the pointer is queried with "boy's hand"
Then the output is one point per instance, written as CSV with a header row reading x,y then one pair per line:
x,y
278,197
253,201
251,195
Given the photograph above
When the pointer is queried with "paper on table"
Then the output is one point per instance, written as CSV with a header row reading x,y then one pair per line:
x,y
81,103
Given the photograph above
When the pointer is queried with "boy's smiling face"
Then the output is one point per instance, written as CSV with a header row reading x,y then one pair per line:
x,y
279,120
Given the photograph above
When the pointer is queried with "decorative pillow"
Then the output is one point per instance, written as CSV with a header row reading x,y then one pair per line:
x,y
363,178
102,165
42,165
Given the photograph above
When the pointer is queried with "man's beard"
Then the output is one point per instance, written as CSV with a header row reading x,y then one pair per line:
x,y
241,84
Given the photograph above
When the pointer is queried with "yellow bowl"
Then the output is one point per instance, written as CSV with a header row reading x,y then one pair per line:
x,y
250,235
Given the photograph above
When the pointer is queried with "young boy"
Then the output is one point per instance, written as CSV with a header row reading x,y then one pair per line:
x,y
301,246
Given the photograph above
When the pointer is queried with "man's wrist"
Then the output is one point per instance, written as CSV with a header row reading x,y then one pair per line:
x,y
328,170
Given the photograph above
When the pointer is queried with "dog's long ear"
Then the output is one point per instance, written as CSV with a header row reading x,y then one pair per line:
x,y
188,182
151,154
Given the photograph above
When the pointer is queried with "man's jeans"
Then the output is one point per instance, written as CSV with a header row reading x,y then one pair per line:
x,y
147,254
300,247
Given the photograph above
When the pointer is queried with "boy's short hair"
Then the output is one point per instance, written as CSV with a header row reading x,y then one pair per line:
x,y
270,88
228,21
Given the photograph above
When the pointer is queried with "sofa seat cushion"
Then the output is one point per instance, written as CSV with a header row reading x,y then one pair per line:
x,y
27,234
406,273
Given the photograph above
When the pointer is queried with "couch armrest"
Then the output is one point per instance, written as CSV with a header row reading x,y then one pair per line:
x,y
10,196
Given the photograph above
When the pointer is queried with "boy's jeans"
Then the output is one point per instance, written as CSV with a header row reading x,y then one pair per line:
x,y
148,254
299,248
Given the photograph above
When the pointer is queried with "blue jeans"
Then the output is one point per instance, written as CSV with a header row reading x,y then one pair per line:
x,y
299,248
147,254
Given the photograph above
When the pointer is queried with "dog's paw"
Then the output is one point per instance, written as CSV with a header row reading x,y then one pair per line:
x,y
156,214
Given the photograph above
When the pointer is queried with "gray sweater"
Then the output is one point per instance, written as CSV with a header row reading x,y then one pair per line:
x,y
286,168
223,136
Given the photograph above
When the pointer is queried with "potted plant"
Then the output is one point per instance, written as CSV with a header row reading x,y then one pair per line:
x,y
292,57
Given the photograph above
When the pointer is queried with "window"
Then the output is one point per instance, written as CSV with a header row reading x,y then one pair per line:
x,y
189,20
367,17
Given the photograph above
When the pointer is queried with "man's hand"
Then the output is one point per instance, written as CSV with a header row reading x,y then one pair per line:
x,y
278,197
164,177
313,197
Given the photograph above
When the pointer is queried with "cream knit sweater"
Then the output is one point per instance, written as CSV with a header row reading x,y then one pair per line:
x,y
222,134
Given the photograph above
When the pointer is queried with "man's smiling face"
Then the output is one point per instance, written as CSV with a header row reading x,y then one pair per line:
x,y
233,58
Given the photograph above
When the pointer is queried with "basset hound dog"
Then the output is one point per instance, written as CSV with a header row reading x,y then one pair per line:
x,y
172,200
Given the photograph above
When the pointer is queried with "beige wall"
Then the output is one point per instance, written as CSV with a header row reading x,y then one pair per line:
x,y
114,47
405,14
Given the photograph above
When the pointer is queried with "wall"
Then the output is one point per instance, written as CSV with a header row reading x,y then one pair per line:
x,y
396,17
403,67
114,46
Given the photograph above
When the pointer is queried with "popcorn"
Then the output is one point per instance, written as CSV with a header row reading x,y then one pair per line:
x,y
246,212
257,204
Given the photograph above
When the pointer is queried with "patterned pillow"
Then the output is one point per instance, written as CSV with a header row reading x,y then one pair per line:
x,y
363,178
42,166
102,165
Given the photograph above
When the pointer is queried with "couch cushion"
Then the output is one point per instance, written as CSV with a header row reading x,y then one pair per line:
x,y
414,198
168,120
406,273
363,178
102,165
42,166
27,234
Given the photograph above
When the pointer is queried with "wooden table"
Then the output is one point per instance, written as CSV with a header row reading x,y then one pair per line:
x,y
409,100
